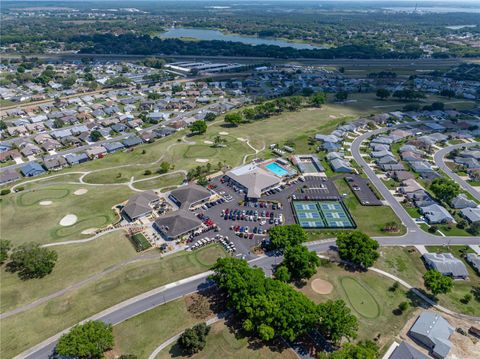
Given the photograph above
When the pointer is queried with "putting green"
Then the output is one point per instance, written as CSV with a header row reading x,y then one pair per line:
x,y
91,222
36,196
360,298
200,151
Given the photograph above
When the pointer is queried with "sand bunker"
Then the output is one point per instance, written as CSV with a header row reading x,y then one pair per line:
x,y
90,231
208,142
80,191
45,203
241,139
201,160
321,286
223,133
68,220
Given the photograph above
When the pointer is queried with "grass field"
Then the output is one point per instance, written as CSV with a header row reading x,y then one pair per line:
x,y
24,330
78,260
406,263
367,295
369,219
168,180
25,220
223,343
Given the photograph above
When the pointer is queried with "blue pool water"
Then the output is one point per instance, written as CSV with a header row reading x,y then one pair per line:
x,y
276,169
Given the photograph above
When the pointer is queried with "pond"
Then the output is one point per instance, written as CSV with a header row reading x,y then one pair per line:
x,y
203,34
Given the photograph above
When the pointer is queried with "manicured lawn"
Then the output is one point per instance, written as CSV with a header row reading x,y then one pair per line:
x,y
414,212
369,219
223,342
406,263
24,330
367,295
78,260
161,182
25,220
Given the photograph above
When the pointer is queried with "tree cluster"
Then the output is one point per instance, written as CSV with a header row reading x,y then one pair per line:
x,y
30,260
194,339
357,248
269,308
445,189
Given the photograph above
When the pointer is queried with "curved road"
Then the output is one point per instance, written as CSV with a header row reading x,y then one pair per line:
x,y
440,163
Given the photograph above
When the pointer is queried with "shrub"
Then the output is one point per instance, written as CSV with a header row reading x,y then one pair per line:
x,y
3,192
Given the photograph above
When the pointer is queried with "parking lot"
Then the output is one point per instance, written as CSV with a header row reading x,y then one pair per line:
x,y
360,187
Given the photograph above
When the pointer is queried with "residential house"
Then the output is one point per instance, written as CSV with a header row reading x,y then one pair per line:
x,y
436,214
54,163
462,201
113,146
434,332
96,152
76,158
132,141
446,264
471,214
32,169
474,260
406,351
8,176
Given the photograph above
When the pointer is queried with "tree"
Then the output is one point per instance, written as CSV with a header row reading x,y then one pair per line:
x,y
474,229
337,321
194,339
88,340
383,93
445,189
262,303
266,332
234,118
285,236
5,246
341,96
95,135
127,356
210,116
438,106
318,99
362,350
32,261
3,125
58,123
164,167
177,88
199,127
447,93
300,262
218,141
358,248
437,283
282,274
403,306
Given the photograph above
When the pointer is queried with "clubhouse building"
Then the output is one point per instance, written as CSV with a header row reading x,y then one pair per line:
x,y
253,179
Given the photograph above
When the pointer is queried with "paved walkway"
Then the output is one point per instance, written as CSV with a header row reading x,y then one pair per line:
x,y
173,339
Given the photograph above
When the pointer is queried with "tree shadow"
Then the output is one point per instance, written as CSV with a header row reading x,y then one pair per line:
x,y
419,302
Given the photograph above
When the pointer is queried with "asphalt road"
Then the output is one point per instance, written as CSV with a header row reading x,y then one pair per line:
x,y
439,161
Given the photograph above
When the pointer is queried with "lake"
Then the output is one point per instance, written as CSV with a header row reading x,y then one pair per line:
x,y
202,34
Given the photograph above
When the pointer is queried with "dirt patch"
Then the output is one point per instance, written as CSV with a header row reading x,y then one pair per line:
x,y
90,231
321,286
201,160
80,191
68,220
45,203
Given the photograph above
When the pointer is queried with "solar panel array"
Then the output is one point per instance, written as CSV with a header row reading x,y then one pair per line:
x,y
324,214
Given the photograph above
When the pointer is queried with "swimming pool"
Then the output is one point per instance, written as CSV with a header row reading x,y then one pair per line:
x,y
276,169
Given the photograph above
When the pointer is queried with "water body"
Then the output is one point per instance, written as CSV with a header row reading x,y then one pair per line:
x,y
458,27
202,34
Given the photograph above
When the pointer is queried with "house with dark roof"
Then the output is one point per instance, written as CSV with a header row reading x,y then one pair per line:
x,y
189,196
32,169
140,205
406,351
9,176
112,147
433,331
446,264
132,141
54,163
177,224
76,158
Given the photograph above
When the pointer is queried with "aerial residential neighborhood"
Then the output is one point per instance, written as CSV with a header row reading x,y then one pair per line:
x,y
209,179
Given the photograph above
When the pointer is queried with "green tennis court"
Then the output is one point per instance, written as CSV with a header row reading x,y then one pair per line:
x,y
322,214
